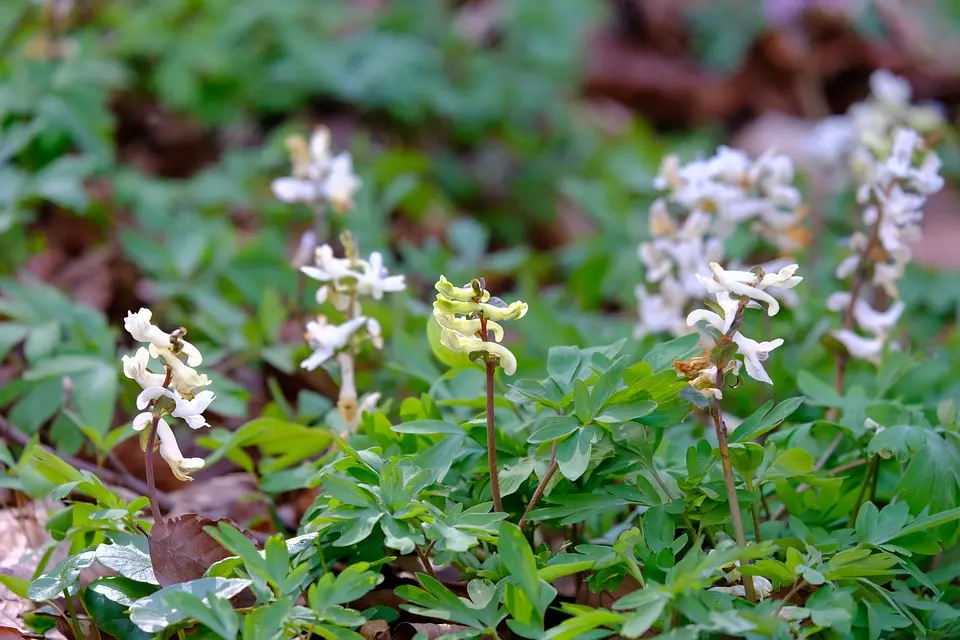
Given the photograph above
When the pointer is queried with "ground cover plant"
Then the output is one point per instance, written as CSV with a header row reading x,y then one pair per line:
x,y
352,321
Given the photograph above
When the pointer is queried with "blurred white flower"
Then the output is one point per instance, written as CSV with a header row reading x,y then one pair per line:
x,y
860,347
326,339
374,280
341,183
317,176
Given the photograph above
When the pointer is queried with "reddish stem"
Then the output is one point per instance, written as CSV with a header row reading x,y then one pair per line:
x,y
491,429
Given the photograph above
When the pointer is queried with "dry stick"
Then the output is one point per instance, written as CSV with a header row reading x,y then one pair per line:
x,y
735,514
542,486
491,429
151,441
125,480
843,358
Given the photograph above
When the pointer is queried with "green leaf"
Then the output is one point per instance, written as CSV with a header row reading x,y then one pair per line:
x,y
212,612
127,560
277,560
626,412
763,421
930,479
553,428
107,600
582,403
573,453
648,613
517,558
63,576
152,614
348,492
746,457
512,477
661,357
429,427
818,392
790,463
563,364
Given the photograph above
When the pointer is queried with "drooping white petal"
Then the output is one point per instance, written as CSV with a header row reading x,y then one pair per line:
x,y
295,190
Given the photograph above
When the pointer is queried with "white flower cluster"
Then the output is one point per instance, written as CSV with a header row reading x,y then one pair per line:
x,y
868,125
345,281
892,194
175,393
714,197
736,291
318,176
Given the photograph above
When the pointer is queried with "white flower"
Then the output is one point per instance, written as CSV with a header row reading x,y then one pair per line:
x,y
375,333
859,347
374,280
721,323
341,183
135,368
170,452
326,339
139,326
754,353
184,379
190,411
328,267
750,285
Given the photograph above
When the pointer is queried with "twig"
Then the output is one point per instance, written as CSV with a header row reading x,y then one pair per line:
x,y
125,480
542,486
491,429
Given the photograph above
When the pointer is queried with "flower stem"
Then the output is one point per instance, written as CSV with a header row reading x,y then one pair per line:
x,y
542,486
491,429
736,516
151,443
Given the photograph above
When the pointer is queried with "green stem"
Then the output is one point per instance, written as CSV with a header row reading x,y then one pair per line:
x,y
867,478
74,621
754,511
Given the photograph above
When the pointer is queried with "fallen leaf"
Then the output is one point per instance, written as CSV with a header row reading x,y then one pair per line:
x,y
373,630
180,550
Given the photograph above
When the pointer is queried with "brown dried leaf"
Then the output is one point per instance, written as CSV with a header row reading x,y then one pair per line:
x,y
9,633
373,630
181,550
407,630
